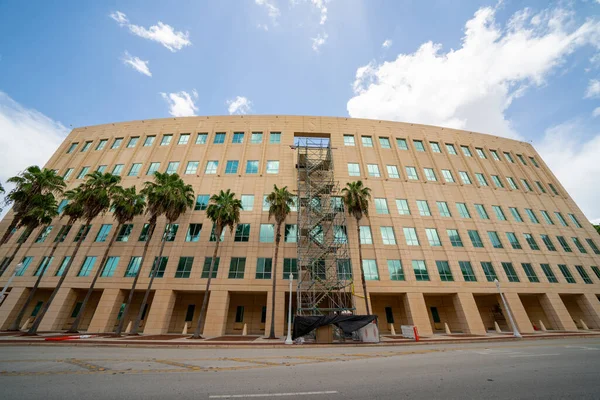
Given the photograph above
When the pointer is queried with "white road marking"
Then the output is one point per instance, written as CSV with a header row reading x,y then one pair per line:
x,y
537,355
582,348
236,396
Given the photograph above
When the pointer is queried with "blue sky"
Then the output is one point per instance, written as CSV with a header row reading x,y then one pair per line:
x,y
523,69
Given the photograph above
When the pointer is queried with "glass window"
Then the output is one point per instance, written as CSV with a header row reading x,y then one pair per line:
x,y
520,157
430,174
267,234
159,267
381,206
444,271
211,167
499,213
46,231
495,239
475,238
275,137
411,237
549,274
272,167
450,148
548,242
291,233
238,137
340,235
101,144
337,204
497,181
132,141
124,232
401,143
511,183
153,168
454,237
110,267
170,232
184,138
62,233
201,138
193,233
26,262
395,270
510,272
481,179
373,170
83,172
531,241
252,167
435,147
515,214
263,268
566,273
86,146
464,176
242,233
149,140
423,208
370,269
411,173
575,221
596,271
166,140
201,202
135,169
466,151
265,204
237,265
443,209
353,169
534,162
494,154
63,266
72,147
526,185
564,244
231,167
402,205
87,266
365,235
481,211
172,167
387,235
247,202
447,174
103,232
101,168
530,273
509,157
579,245
43,267
551,186
420,270
219,138
256,138
467,271
488,271
392,172
514,242
82,233
419,145
547,217
61,206
593,246
192,167
433,237
480,152
290,266
384,143
463,211
349,140
560,218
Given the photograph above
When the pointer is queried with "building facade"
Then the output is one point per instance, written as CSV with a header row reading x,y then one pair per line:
x,y
451,211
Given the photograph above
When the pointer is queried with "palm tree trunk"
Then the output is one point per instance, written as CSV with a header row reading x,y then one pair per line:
x,y
12,256
75,326
277,241
196,334
362,271
38,320
15,326
151,228
138,320
6,236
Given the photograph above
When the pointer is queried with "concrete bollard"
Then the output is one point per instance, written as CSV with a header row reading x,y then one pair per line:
x,y
245,330
26,324
583,325
185,329
392,330
542,326
129,325
497,327
447,328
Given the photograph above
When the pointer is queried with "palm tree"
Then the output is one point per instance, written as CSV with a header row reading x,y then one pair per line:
x,y
126,204
356,199
223,211
280,201
168,195
31,182
90,200
1,192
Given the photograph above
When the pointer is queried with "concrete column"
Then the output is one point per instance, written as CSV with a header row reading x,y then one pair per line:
x,y
12,305
468,314
556,312
590,306
518,312
160,312
280,311
60,310
417,313
216,313
105,316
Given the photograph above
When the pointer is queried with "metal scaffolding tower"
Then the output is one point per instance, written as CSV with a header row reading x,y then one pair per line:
x,y
325,273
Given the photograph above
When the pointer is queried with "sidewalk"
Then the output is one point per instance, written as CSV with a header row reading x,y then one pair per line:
x,y
178,340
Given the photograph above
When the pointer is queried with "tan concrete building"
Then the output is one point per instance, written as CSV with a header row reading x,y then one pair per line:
x,y
451,212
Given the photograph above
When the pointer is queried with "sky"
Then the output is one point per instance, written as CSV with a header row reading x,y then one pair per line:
x,y
528,70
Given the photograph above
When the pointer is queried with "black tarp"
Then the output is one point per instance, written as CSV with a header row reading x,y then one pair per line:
x,y
347,323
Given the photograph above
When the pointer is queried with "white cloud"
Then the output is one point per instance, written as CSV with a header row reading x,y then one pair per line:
x,y
387,43
596,112
593,89
239,105
181,104
140,66
264,27
319,41
160,33
471,87
27,137
574,161
321,6
272,9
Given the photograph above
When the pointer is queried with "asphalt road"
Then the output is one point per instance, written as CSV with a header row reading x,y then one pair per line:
x,y
544,369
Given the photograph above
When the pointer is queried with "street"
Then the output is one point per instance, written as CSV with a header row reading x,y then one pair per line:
x,y
549,369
